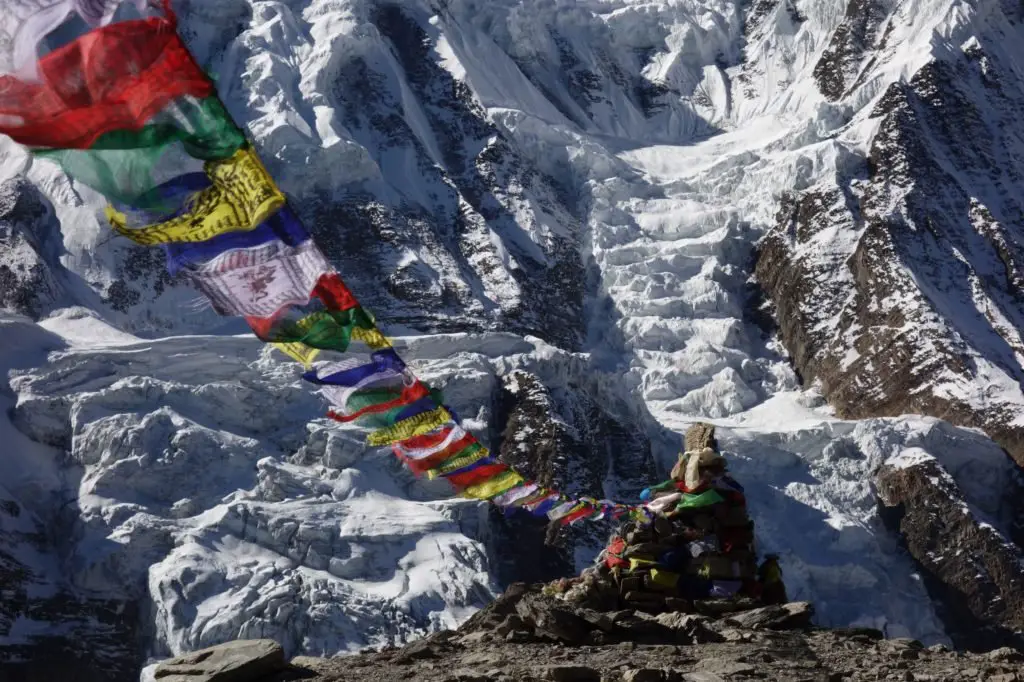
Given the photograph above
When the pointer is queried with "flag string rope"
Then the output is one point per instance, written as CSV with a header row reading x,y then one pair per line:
x,y
111,108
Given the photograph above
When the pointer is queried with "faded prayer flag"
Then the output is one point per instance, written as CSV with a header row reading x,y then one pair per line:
x,y
25,23
259,281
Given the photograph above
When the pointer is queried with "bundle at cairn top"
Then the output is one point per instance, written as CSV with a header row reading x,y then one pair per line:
x,y
694,552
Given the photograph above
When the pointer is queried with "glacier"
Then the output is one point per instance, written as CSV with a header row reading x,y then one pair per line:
x,y
563,190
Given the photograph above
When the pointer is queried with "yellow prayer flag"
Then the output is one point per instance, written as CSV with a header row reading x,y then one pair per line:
x,y
299,352
242,196
371,337
458,462
407,428
495,486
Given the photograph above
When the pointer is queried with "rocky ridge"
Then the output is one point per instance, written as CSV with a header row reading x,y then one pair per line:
x,y
897,281
526,636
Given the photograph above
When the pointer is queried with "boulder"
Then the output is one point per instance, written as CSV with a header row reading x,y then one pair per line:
x,y
572,673
792,616
246,660
554,619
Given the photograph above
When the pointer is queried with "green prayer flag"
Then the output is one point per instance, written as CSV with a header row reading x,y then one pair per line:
x,y
125,165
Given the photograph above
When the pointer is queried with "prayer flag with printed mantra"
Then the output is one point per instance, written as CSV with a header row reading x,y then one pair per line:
x,y
242,195
259,281
283,226
407,428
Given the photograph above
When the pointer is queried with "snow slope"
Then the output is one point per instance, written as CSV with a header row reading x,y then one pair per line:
x,y
569,190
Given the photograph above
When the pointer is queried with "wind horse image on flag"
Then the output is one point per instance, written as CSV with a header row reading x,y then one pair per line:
x,y
125,110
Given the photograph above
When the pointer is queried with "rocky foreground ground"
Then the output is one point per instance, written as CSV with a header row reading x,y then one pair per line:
x,y
526,635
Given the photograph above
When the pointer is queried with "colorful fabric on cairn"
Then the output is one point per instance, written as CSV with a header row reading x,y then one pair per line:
x,y
125,110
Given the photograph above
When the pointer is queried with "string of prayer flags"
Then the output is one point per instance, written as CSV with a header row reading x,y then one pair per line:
x,y
126,111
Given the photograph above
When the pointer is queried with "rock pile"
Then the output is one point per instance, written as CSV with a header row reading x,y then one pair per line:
x,y
693,553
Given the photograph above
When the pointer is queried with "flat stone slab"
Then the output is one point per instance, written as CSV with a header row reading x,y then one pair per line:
x,y
245,660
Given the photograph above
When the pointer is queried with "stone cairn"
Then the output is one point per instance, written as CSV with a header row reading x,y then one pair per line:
x,y
694,555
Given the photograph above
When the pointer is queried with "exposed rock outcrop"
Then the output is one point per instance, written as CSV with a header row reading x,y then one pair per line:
x,y
575,443
51,632
898,287
29,249
525,636
972,571
852,43
236,661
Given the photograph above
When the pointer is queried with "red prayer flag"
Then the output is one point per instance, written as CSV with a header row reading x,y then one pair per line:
x,y
262,326
477,475
419,466
334,294
427,440
112,78
578,514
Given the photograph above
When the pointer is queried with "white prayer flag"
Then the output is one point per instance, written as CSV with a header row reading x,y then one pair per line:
x,y
260,280
24,24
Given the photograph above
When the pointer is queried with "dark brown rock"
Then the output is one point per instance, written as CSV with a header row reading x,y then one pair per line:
x,y
792,616
572,673
969,568
553,619
644,675
849,47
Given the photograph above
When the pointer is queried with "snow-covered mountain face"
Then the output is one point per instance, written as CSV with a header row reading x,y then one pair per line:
x,y
898,278
559,207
